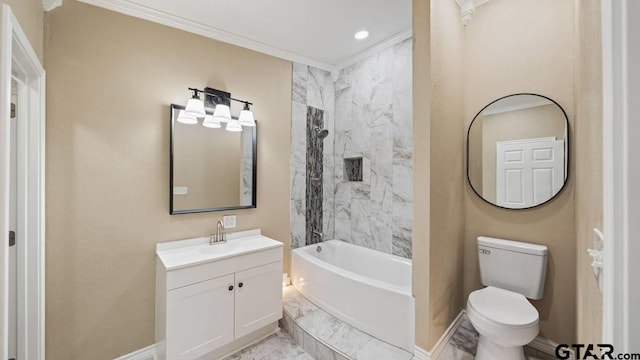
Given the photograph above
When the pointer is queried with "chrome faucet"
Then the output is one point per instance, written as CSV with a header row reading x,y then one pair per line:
x,y
318,234
219,237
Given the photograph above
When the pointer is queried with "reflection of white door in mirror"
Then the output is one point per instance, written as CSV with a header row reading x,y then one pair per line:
x,y
528,172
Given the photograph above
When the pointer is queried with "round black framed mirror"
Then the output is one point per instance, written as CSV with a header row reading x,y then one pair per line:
x,y
518,151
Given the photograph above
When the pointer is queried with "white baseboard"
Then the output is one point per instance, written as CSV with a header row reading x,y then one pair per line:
x,y
421,354
541,344
148,353
444,339
547,346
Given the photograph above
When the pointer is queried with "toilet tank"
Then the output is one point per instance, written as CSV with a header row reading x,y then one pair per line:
x,y
512,265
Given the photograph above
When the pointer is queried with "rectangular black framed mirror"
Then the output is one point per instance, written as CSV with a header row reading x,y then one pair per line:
x,y
210,169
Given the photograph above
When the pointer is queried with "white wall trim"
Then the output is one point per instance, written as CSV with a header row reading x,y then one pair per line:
x,y
147,353
444,339
421,354
468,9
373,50
621,154
160,17
146,13
17,58
548,347
49,5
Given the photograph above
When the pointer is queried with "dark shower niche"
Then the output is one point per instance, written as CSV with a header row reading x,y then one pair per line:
x,y
353,169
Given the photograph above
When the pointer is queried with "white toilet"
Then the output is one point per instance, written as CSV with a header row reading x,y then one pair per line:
x,y
512,271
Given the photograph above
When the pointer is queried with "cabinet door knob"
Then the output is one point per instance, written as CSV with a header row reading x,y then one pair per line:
x,y
230,287
240,284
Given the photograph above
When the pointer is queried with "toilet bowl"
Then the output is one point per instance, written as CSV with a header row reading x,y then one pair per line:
x,y
512,272
505,321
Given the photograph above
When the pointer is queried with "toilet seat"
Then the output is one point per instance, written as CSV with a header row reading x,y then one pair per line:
x,y
503,307
505,317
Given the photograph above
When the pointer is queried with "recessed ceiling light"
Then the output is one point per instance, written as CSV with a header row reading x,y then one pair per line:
x,y
360,35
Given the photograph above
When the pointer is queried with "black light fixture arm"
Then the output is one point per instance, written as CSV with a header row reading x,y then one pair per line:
x,y
197,91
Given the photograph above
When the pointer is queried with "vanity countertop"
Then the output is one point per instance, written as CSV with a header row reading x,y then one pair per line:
x,y
183,253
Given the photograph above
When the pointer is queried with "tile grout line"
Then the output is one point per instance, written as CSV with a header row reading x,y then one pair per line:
x,y
361,346
327,345
306,330
324,343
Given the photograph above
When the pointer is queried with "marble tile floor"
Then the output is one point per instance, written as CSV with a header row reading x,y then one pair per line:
x,y
463,344
317,335
278,346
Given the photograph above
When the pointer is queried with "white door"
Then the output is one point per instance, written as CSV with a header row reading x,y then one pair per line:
x,y
199,318
529,172
258,298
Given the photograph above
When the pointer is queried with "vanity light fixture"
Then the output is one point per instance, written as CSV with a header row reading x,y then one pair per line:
x,y
246,116
233,126
211,122
222,113
195,107
221,100
186,118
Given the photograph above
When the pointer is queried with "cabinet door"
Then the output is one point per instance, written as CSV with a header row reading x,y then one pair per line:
x,y
258,297
199,318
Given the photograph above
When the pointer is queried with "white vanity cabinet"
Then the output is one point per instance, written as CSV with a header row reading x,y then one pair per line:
x,y
258,300
214,299
199,318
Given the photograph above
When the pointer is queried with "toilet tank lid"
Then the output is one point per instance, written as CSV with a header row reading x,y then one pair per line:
x,y
511,245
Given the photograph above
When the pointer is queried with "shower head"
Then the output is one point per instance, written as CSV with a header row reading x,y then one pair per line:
x,y
321,133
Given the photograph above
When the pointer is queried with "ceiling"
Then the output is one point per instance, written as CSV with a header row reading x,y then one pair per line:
x,y
315,32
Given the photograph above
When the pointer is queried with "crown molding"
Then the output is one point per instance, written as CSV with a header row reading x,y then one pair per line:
x,y
160,17
370,51
468,9
177,22
49,5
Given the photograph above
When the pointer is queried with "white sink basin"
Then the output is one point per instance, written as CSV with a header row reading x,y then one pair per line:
x,y
182,253
222,247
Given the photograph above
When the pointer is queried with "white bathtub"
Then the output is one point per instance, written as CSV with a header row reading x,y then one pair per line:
x,y
368,289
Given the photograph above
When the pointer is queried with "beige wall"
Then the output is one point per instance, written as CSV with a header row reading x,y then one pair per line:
x,y
421,168
29,14
110,78
588,132
447,167
208,162
525,46
536,122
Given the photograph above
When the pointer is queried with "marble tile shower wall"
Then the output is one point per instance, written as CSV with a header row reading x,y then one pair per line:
x,y
312,88
368,114
373,121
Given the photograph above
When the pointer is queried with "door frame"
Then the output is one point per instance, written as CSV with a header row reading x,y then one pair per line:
x,y
18,57
621,173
